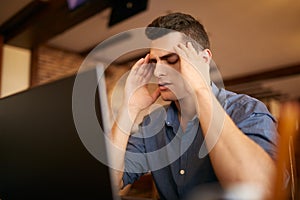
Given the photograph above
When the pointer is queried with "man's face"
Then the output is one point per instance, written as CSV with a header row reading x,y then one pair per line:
x,y
167,67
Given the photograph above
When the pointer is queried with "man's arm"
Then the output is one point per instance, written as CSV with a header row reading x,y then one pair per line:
x,y
235,157
136,99
119,138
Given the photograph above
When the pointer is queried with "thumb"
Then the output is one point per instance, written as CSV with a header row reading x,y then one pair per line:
x,y
155,94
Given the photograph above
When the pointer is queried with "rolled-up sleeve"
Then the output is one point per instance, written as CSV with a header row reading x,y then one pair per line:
x,y
135,160
261,128
254,119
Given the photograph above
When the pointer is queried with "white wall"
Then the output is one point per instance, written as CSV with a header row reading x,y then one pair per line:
x,y
15,70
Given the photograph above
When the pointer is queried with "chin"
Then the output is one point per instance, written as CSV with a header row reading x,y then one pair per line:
x,y
168,96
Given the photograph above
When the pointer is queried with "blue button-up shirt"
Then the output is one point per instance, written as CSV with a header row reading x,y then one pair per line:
x,y
173,157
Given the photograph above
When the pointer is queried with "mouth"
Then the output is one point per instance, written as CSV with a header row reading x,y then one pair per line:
x,y
163,86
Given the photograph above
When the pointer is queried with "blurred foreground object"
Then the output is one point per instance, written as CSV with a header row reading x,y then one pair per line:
x,y
288,128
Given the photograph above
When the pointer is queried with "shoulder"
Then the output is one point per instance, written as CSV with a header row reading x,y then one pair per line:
x,y
241,106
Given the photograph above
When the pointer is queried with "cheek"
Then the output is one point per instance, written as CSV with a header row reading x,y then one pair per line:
x,y
174,70
177,67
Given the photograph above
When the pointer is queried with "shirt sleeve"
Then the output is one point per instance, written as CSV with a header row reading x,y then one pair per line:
x,y
135,159
255,121
261,128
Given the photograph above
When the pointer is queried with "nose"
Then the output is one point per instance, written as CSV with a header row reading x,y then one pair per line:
x,y
160,70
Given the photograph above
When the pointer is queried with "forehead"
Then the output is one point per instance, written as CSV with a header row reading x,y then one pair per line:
x,y
165,44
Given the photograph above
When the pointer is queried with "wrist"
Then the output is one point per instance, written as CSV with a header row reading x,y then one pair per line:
x,y
203,92
204,98
130,111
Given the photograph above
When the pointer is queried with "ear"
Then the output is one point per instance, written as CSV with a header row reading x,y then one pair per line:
x,y
206,55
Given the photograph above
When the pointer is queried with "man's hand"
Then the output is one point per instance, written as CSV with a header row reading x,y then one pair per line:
x,y
194,65
137,96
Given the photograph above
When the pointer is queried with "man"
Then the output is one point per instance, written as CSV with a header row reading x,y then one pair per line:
x,y
206,134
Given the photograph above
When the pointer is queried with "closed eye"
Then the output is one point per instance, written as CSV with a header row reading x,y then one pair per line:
x,y
172,59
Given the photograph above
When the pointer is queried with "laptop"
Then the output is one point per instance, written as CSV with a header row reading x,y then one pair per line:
x,y
42,156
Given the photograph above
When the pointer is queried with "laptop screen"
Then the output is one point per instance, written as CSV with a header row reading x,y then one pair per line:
x,y
41,153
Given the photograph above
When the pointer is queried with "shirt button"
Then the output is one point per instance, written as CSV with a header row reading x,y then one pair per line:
x,y
182,172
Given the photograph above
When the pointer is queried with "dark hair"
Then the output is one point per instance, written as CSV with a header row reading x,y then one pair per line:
x,y
180,22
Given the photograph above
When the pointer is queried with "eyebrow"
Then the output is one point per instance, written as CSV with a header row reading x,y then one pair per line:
x,y
165,57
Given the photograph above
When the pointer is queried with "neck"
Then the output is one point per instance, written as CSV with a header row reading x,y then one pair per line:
x,y
186,109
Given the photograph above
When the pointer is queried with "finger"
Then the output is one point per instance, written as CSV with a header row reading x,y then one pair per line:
x,y
147,58
180,51
182,48
191,48
138,63
149,72
135,67
155,94
148,68
143,68
146,71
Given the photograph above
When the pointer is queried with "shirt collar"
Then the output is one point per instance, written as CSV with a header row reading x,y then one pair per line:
x,y
172,118
219,93
214,89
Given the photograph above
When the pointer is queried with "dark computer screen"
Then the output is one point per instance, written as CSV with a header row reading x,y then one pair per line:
x,y
41,154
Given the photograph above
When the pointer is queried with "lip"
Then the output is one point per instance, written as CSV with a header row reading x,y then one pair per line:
x,y
163,86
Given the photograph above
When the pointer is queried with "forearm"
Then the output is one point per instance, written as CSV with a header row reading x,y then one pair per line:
x,y
234,156
136,99
119,136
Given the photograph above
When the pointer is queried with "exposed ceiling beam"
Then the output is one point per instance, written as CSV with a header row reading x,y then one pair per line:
x,y
42,20
265,75
23,19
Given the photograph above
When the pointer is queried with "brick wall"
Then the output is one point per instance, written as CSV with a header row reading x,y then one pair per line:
x,y
51,64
